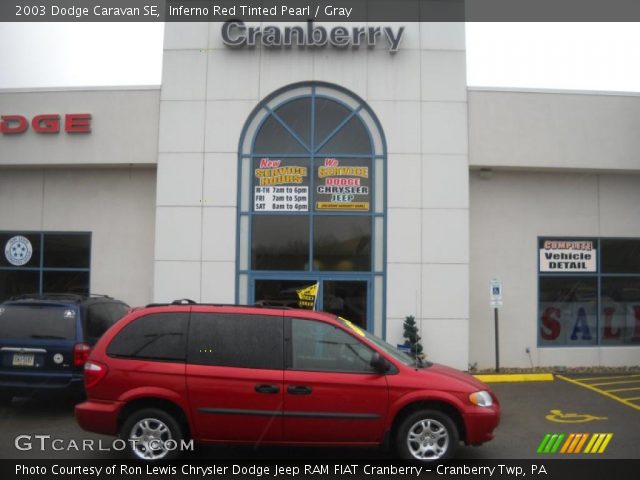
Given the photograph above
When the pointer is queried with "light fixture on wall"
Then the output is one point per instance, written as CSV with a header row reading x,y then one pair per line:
x,y
486,173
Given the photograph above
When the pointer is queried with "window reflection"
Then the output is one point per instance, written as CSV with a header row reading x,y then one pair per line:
x,y
342,243
568,311
280,242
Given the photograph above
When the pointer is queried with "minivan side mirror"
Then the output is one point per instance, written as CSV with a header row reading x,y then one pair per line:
x,y
379,363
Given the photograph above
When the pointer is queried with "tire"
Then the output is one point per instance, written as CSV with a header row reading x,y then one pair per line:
x,y
427,436
146,431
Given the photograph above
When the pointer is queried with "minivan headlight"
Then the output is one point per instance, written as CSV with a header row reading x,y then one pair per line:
x,y
481,398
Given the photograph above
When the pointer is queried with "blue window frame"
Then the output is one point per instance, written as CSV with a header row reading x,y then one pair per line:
x,y
312,200
588,291
44,262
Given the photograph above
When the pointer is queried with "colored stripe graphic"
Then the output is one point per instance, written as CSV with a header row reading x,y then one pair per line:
x,y
543,443
598,442
581,443
567,443
554,449
574,443
608,438
551,442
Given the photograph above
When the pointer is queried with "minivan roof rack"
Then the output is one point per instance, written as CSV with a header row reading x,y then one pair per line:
x,y
187,301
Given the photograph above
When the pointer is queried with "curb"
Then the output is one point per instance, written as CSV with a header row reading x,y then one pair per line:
x,y
515,377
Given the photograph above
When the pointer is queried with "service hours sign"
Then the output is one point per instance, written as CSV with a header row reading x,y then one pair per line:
x,y
280,186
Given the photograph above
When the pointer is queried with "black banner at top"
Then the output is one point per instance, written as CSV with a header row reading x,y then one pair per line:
x,y
318,10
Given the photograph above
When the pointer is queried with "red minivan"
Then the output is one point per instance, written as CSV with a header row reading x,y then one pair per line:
x,y
259,375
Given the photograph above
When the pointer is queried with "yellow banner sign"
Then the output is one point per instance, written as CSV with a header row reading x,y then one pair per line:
x,y
307,296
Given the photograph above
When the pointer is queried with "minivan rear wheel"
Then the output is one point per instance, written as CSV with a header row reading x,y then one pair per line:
x,y
428,436
151,434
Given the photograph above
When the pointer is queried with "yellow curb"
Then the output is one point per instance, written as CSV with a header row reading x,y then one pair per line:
x,y
515,377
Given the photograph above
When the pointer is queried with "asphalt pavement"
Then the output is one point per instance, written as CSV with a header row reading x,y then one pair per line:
x,y
577,410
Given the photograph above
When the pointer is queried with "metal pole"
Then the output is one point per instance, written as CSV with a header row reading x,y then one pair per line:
x,y
495,316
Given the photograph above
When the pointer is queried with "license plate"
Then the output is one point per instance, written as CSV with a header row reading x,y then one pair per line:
x,y
23,360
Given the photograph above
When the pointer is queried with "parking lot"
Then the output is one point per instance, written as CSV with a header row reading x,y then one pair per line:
x,y
560,418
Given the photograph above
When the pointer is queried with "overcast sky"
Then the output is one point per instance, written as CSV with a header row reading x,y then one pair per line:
x,y
575,56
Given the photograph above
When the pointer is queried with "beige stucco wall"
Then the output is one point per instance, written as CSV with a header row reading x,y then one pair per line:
x,y
124,127
509,211
554,130
116,205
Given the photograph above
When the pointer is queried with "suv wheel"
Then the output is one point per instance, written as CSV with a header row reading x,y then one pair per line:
x,y
151,434
427,435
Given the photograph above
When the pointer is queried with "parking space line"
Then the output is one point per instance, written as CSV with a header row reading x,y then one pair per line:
x,y
622,390
608,378
632,399
600,391
614,383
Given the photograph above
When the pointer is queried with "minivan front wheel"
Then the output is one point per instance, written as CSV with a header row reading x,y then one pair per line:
x,y
427,435
151,434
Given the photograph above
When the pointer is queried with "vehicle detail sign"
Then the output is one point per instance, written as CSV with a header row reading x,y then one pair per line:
x,y
280,186
568,256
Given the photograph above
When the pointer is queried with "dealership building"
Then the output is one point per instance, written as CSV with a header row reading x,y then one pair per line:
x,y
275,157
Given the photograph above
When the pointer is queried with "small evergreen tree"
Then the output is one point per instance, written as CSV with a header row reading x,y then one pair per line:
x,y
412,339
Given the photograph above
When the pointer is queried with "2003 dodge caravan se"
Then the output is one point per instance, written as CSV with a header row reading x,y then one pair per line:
x,y
233,374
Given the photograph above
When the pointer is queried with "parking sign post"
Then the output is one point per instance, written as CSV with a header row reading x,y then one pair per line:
x,y
495,321
495,292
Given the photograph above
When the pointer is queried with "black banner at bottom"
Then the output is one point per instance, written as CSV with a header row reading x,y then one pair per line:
x,y
579,469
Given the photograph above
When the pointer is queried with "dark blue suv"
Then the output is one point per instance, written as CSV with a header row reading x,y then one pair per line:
x,y
46,339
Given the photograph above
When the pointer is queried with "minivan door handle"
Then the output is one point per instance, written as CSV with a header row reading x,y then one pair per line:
x,y
299,390
267,389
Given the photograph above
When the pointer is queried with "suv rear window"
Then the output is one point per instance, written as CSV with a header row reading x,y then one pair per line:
x,y
38,321
100,316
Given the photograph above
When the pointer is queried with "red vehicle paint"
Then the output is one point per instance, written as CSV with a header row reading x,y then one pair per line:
x,y
247,375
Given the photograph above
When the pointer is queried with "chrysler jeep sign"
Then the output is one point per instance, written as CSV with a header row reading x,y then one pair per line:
x,y
236,34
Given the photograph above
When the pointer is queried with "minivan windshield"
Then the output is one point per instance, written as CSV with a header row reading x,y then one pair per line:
x,y
386,347
49,322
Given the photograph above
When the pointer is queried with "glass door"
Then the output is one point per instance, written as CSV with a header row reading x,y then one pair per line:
x,y
348,298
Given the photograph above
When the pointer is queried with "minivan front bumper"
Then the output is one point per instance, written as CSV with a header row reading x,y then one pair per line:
x,y
480,424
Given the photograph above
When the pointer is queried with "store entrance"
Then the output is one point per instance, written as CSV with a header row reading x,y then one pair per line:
x,y
346,297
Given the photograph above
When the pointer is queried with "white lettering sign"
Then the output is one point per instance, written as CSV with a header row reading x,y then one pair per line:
x,y
568,256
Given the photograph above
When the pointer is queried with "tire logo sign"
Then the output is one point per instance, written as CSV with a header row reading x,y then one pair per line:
x,y
18,250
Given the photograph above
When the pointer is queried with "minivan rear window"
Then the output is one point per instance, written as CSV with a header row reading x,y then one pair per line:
x,y
49,322
159,336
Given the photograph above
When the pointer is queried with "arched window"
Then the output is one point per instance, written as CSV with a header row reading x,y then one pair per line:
x,y
312,203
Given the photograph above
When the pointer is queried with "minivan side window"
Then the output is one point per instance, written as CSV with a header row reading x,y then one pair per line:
x,y
100,316
318,346
159,336
231,340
